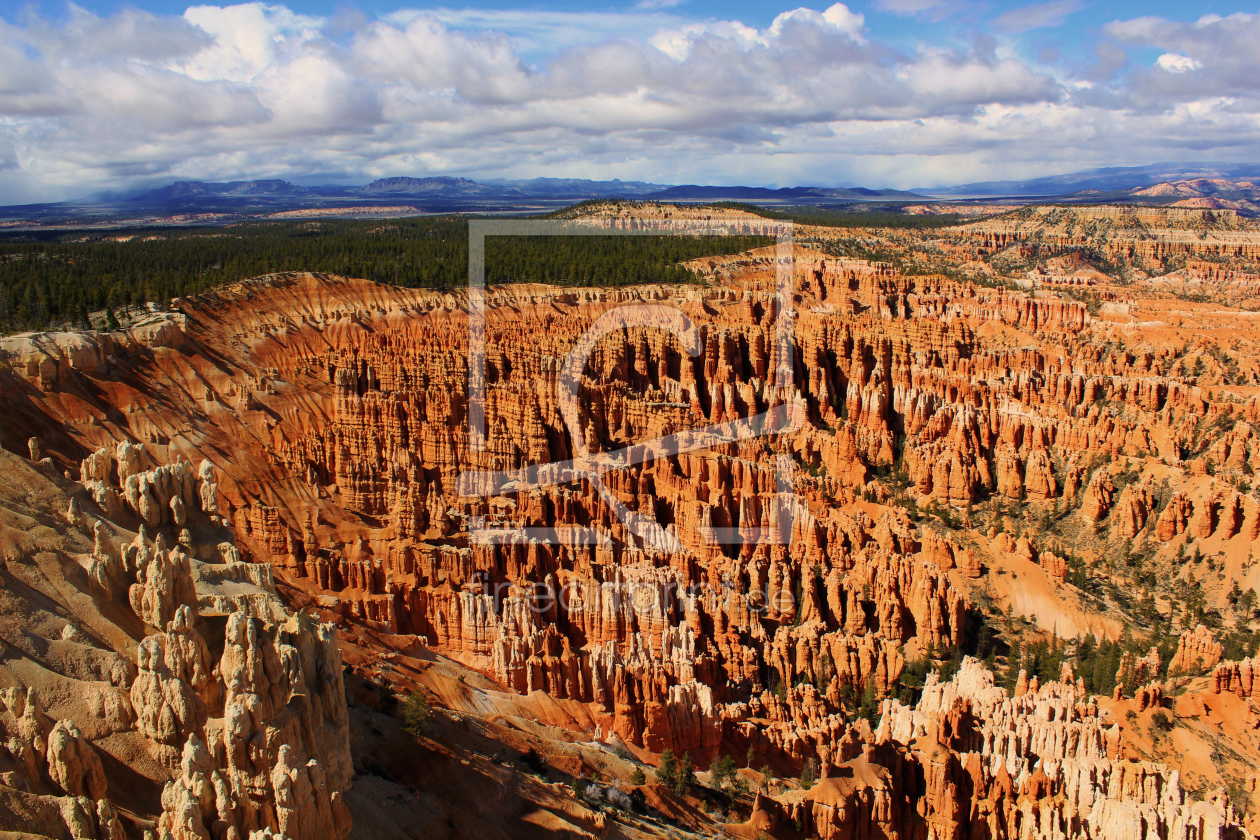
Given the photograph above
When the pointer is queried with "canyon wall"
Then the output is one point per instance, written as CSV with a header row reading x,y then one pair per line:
x,y
745,596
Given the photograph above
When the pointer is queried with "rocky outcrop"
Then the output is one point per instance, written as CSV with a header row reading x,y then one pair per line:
x,y
1197,651
1149,696
1231,517
306,809
1175,517
1041,765
1205,517
1039,481
1098,494
264,726
1241,678
1147,668
369,425
73,764
969,564
163,581
175,687
207,488
1055,566
60,778
1135,506
264,668
276,753
206,801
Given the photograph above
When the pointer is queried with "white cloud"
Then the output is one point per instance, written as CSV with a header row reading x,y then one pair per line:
x,y
246,40
255,90
1174,63
677,43
424,55
1219,50
838,16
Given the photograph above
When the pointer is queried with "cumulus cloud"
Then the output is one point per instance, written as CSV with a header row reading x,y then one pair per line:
x,y
1206,65
424,55
257,90
246,40
837,16
1174,63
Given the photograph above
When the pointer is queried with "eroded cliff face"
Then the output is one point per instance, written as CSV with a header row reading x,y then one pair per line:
x,y
969,760
120,720
956,451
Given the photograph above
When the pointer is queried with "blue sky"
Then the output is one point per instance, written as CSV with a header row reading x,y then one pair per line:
x,y
1067,27
883,19
902,93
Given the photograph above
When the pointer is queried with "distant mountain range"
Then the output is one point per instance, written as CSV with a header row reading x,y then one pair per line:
x,y
185,190
219,202
427,186
1110,183
543,188
1110,180
1208,186
1242,194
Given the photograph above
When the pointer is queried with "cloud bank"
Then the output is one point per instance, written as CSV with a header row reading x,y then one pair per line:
x,y
255,90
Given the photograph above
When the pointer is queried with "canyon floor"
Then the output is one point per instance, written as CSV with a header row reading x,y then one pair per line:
x,y
955,538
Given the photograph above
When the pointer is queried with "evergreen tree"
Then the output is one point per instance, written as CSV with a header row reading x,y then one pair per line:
x,y
722,772
1014,663
416,713
51,281
667,773
868,709
808,774
684,775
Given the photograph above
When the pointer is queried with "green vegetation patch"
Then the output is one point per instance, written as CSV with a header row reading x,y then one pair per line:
x,y
51,279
